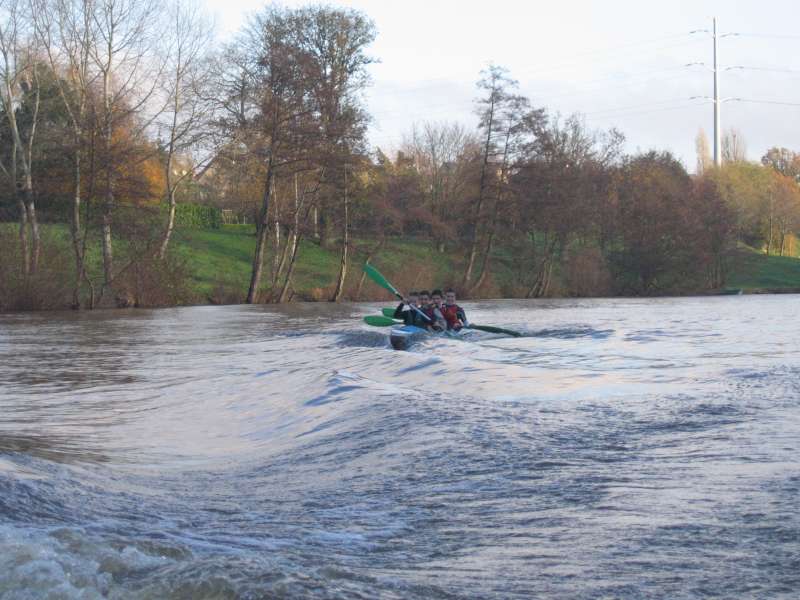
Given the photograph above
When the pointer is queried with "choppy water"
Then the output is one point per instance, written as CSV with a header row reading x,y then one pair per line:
x,y
623,449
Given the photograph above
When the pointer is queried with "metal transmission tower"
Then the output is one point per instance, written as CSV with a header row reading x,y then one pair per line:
x,y
715,99
717,130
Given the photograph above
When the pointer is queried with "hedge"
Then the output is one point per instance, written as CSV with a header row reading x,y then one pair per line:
x,y
198,216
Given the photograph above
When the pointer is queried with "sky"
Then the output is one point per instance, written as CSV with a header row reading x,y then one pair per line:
x,y
620,63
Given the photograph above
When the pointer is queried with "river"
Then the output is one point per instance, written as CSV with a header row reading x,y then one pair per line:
x,y
620,449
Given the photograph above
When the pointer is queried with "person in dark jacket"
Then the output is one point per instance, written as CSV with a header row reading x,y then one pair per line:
x,y
406,311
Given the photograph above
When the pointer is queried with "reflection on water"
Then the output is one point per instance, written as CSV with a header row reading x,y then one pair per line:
x,y
622,448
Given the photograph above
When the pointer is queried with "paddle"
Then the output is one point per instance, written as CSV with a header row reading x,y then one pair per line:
x,y
380,321
490,329
389,312
376,276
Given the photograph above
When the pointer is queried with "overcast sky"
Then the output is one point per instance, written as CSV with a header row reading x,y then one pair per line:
x,y
621,63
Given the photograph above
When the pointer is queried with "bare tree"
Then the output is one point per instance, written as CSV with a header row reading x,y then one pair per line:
x,y
520,126
125,53
444,156
267,112
704,160
734,149
333,42
784,161
20,88
65,31
183,122
496,83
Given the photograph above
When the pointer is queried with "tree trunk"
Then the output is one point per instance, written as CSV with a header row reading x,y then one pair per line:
x,y
316,223
287,282
23,237
261,239
337,294
162,251
108,205
473,251
75,230
498,197
33,223
291,236
108,254
544,271
276,258
486,261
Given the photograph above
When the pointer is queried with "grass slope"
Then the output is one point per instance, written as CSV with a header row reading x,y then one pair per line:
x,y
753,271
221,259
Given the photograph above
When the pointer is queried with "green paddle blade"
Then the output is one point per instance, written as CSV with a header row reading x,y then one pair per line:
x,y
376,276
388,312
490,329
376,321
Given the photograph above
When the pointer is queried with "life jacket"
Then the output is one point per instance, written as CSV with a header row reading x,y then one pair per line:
x,y
429,309
451,313
435,319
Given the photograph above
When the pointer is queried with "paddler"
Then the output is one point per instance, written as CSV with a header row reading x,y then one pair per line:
x,y
406,312
454,315
439,323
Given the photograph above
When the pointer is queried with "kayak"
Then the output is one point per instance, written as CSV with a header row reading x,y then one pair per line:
x,y
401,337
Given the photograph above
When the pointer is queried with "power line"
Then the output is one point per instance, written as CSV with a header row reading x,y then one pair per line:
x,y
643,112
619,112
777,102
635,106
777,36
544,100
767,69
569,60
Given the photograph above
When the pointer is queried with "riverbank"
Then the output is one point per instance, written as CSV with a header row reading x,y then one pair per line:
x,y
212,266
221,259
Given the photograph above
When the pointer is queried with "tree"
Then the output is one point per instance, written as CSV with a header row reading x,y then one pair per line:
x,y
785,210
746,188
784,161
653,217
712,223
562,189
445,157
123,50
499,112
183,122
267,111
521,127
704,160
65,31
734,149
19,102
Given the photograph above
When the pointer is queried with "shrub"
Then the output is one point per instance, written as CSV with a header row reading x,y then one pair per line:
x,y
198,216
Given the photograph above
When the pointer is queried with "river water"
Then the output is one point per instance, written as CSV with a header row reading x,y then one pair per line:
x,y
621,449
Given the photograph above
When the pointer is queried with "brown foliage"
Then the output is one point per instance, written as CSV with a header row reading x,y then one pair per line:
x,y
151,282
48,288
586,273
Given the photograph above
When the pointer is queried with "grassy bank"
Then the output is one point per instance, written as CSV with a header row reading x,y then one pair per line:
x,y
753,271
215,265
223,257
